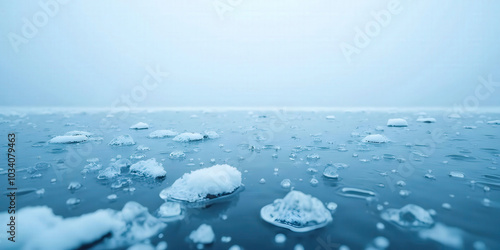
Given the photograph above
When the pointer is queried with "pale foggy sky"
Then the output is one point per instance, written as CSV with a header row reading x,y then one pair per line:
x,y
262,53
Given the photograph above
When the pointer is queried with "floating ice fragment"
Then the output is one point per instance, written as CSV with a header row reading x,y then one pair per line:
x,y
446,206
331,172
298,247
313,157
495,122
203,235
68,139
142,148
404,193
187,137
148,168
448,236
122,140
457,174
381,242
170,211
380,226
397,122
280,238
139,125
357,193
235,247
286,183
74,185
314,182
298,212
163,133
332,206
177,155
376,138
211,135
409,216
72,201
225,239
203,184
262,181
75,133
112,197
330,117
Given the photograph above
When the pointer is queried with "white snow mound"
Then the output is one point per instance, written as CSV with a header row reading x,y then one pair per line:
x,y
148,168
204,184
298,212
397,122
68,139
140,125
36,227
203,235
187,137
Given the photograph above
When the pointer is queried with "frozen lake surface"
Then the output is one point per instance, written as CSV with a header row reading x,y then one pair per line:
x,y
428,180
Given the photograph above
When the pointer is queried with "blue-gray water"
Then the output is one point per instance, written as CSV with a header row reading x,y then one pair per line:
x,y
280,140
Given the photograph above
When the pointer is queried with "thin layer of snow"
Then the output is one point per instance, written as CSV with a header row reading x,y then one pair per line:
x,y
187,137
204,184
122,140
68,139
409,216
140,125
37,226
397,122
298,212
158,134
203,235
375,138
148,168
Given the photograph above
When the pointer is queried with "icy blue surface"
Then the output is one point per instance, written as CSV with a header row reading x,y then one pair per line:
x,y
275,145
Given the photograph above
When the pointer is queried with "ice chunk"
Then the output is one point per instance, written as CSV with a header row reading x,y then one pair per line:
x,y
72,201
330,117
286,183
298,212
211,135
68,139
148,168
76,132
376,138
187,137
426,120
495,122
170,211
457,174
140,125
448,236
331,172
409,216
162,134
397,122
122,140
203,184
203,235
177,155
74,185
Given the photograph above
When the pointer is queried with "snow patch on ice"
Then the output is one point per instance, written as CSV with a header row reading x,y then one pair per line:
x,y
148,168
68,139
204,184
376,138
139,125
397,122
187,137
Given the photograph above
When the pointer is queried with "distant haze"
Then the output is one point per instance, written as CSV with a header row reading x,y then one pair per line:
x,y
249,53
